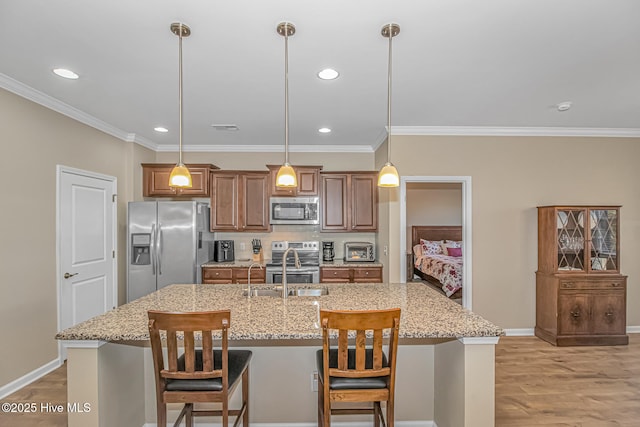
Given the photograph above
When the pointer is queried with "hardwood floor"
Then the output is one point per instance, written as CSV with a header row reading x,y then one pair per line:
x,y
50,389
537,384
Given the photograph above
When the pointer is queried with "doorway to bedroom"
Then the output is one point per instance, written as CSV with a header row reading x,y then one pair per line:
x,y
437,211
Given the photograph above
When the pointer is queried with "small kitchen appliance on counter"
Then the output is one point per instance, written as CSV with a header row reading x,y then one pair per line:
x,y
359,252
327,252
223,251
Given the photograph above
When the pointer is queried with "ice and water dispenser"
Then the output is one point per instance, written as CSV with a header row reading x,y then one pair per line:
x,y
141,249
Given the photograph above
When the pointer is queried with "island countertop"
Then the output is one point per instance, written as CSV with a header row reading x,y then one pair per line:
x,y
425,312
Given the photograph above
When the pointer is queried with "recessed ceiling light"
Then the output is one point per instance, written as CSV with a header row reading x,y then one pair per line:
x,y
67,74
564,106
328,74
161,129
324,130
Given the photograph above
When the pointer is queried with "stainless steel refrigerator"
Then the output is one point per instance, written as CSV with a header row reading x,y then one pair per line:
x,y
166,243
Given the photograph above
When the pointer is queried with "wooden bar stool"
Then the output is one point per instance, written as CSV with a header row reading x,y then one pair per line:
x,y
199,375
361,372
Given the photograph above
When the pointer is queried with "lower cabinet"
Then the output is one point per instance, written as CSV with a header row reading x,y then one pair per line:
x,y
580,311
228,275
350,274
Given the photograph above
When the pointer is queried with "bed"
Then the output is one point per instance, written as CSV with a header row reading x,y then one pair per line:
x,y
434,265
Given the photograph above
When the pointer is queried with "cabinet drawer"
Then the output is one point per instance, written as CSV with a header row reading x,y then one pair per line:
x,y
241,275
373,274
334,273
593,284
217,274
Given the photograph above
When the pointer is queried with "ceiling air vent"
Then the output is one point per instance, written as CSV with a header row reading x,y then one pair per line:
x,y
226,127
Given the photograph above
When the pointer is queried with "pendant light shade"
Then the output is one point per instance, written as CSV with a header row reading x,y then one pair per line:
x,y
180,175
388,176
286,176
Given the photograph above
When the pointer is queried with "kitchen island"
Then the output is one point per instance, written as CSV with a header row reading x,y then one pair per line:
x,y
445,361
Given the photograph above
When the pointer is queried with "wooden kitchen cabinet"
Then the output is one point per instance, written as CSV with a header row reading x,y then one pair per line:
x,y
228,275
581,297
349,201
308,177
350,274
240,201
155,180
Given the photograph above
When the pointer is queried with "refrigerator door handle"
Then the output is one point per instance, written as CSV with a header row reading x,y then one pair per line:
x,y
153,249
159,247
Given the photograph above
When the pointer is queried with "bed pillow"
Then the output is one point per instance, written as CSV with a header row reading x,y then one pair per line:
x,y
417,250
455,252
453,243
431,247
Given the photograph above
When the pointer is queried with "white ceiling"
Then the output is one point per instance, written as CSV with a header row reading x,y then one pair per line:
x,y
460,66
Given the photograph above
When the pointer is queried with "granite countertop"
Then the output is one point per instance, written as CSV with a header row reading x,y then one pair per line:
x,y
343,263
236,263
425,312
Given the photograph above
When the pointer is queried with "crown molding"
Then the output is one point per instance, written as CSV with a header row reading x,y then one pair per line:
x,y
267,148
516,131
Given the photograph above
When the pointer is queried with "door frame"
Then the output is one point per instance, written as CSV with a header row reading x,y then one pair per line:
x,y
60,169
467,291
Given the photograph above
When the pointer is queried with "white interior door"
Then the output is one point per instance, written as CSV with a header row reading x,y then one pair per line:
x,y
86,242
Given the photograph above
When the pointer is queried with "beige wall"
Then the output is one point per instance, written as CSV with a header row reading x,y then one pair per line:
x,y
35,140
510,177
432,204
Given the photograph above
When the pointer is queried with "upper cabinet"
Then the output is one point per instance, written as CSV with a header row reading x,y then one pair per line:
x,y
155,180
578,239
307,181
240,201
349,201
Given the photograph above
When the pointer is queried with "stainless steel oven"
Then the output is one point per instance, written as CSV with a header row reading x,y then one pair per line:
x,y
294,275
308,254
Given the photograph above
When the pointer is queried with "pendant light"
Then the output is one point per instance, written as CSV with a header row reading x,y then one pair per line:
x,y
286,176
388,176
180,176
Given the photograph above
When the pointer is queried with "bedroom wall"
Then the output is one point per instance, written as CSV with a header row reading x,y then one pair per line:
x,y
510,177
432,204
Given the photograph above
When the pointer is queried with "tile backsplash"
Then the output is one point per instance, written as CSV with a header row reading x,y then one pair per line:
x,y
242,241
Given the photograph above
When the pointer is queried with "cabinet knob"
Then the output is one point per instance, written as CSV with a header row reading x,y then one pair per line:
x,y
567,284
608,314
366,273
575,314
615,285
217,273
335,273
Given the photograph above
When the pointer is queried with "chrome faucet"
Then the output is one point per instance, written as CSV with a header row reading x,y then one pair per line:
x,y
285,291
249,277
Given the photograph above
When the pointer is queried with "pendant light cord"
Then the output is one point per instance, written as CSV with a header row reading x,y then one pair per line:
x,y
286,94
180,92
389,97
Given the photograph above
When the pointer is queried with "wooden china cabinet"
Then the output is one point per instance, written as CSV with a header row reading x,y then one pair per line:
x,y
581,297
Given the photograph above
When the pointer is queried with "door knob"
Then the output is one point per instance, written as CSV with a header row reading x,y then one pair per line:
x,y
67,275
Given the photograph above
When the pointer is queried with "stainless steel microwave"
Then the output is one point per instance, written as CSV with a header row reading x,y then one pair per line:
x,y
294,210
359,252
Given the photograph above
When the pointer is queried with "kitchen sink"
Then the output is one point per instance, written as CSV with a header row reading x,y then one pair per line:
x,y
263,293
293,292
308,292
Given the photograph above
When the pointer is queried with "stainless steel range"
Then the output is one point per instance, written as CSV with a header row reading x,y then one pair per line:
x,y
309,256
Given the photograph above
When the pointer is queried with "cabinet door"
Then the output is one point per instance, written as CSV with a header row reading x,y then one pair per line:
x,y
156,182
603,240
224,202
335,202
608,313
364,202
200,183
254,202
307,181
571,239
573,314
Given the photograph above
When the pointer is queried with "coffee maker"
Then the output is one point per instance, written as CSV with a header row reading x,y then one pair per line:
x,y
327,252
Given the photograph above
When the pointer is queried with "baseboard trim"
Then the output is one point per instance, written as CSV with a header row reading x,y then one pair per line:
x,y
333,424
27,379
524,332
633,329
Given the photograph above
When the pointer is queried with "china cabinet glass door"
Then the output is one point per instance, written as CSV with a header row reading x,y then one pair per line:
x,y
571,239
603,237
